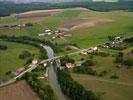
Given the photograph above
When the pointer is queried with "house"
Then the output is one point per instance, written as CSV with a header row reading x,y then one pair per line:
x,y
45,64
79,63
41,77
91,50
118,40
20,70
46,31
69,65
83,52
34,61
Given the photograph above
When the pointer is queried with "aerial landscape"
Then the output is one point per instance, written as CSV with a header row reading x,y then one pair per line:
x,y
66,49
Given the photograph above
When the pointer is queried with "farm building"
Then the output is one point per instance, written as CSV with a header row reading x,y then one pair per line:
x,y
69,65
20,70
34,61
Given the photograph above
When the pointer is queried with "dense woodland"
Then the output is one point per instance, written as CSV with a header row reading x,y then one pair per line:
x,y
72,89
8,8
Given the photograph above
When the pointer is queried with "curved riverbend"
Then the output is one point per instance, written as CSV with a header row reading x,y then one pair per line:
x,y
52,76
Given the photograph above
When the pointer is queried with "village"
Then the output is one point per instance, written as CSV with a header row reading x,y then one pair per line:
x,y
69,65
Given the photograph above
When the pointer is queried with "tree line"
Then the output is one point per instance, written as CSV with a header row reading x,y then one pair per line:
x,y
32,41
72,89
7,8
44,91
26,40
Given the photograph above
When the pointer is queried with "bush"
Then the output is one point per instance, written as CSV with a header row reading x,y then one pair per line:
x,y
8,73
103,54
102,73
89,63
3,47
24,55
114,77
29,24
128,62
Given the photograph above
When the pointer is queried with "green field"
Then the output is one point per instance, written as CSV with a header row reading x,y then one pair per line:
x,y
85,36
117,89
9,59
112,90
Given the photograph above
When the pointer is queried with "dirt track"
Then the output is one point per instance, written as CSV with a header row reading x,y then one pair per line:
x,y
39,13
18,91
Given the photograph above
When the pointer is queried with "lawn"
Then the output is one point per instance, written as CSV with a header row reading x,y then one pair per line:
x,y
9,59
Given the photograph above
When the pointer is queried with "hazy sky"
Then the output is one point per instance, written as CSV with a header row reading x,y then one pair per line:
x,y
26,1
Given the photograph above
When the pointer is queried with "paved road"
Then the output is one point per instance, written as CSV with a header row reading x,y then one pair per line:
x,y
52,76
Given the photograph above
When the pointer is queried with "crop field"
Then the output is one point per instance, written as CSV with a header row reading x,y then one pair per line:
x,y
117,23
18,91
9,59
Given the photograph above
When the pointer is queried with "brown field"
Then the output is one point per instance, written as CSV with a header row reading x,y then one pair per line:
x,y
38,13
74,23
18,91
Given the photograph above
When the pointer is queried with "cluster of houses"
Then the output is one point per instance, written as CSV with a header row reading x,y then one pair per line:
x,y
57,33
34,62
116,41
90,50
13,26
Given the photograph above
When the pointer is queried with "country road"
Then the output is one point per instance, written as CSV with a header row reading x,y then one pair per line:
x,y
52,76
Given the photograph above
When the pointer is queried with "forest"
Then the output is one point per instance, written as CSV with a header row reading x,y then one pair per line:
x,y
8,8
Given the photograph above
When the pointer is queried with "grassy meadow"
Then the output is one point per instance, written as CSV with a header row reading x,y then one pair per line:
x,y
121,25
9,59
111,89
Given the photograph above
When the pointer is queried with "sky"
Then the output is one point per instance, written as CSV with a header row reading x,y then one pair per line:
x,y
27,1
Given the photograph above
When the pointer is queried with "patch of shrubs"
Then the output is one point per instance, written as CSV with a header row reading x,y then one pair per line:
x,y
103,54
120,47
114,77
3,47
65,60
102,73
128,62
24,55
119,59
85,68
29,24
